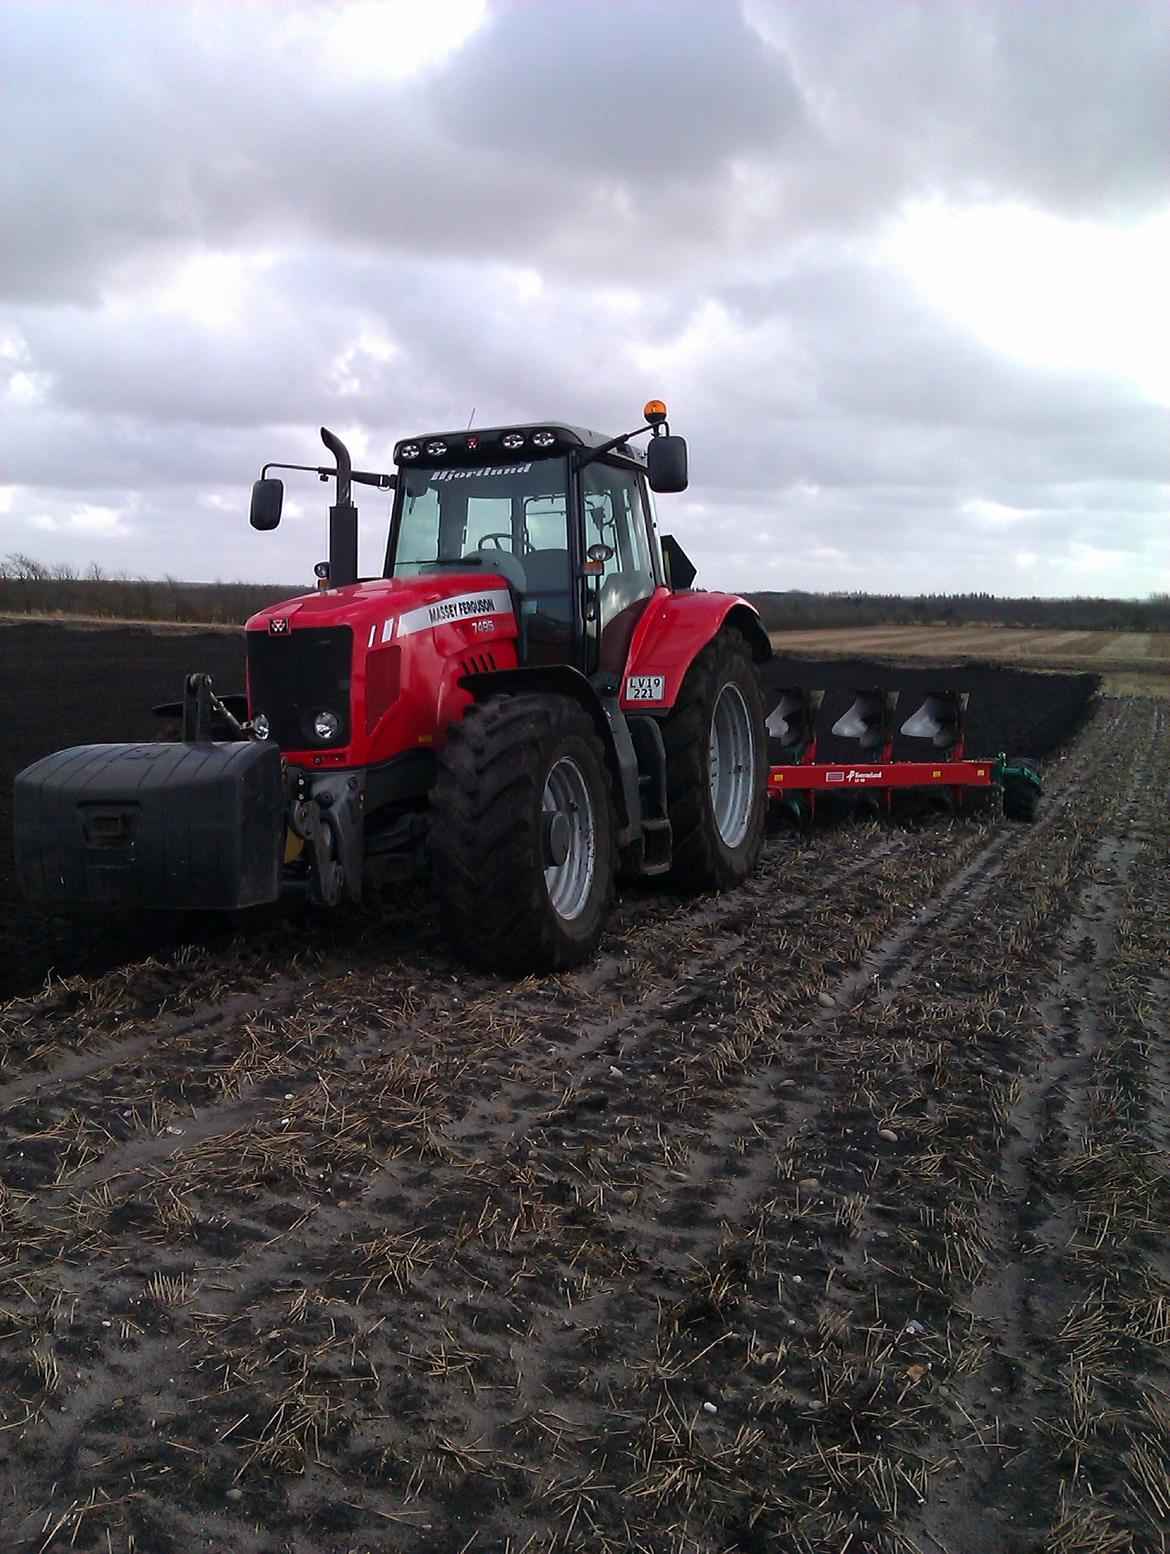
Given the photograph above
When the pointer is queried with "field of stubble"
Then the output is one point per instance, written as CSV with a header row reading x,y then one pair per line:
x,y
826,1215
1131,663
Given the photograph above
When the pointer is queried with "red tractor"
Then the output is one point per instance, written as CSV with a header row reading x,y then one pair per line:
x,y
526,701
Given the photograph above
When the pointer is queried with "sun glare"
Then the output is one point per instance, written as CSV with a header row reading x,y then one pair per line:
x,y
1063,294
384,39
209,287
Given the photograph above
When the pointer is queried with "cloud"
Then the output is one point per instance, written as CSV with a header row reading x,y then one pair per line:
x,y
577,137
892,266
1060,106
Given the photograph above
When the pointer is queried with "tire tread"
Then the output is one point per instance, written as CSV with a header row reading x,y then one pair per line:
x,y
700,861
486,835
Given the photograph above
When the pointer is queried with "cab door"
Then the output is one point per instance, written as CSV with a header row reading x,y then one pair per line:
x,y
616,517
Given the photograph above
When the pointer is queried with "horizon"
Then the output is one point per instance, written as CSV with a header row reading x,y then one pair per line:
x,y
67,573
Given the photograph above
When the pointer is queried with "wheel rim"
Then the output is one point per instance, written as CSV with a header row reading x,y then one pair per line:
x,y
732,766
569,883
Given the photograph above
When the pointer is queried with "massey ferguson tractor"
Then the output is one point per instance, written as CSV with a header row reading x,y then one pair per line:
x,y
526,700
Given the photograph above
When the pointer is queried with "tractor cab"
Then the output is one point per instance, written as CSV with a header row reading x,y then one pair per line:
x,y
563,515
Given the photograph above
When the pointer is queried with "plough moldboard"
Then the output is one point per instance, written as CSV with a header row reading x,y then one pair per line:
x,y
796,778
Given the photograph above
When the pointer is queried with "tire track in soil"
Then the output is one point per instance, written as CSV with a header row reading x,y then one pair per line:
x,y
1022,1299
653,945
976,1533
310,995
743,1191
151,1360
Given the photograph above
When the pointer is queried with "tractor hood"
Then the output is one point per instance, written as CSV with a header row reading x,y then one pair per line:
x,y
361,675
399,605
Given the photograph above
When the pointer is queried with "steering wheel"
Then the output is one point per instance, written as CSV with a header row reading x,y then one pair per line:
x,y
482,543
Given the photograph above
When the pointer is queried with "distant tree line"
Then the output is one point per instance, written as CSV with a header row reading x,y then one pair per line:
x,y
28,587
797,611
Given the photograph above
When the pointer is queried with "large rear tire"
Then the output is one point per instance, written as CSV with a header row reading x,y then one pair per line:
x,y
523,838
716,768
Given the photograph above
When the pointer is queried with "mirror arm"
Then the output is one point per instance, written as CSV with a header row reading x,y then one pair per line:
x,y
360,476
589,455
313,469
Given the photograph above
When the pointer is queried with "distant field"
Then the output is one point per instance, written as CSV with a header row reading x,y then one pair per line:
x,y
1133,663
152,623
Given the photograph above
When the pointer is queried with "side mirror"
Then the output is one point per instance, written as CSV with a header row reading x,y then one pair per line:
x,y
666,463
267,500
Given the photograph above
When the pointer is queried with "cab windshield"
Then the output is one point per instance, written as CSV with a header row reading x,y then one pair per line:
x,y
510,517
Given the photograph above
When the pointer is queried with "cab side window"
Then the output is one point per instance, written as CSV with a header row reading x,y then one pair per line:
x,y
615,517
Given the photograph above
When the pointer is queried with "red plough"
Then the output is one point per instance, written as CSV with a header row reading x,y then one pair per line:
x,y
795,780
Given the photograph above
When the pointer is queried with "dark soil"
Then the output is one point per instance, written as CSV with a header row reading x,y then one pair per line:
x,y
1011,711
66,685
828,1214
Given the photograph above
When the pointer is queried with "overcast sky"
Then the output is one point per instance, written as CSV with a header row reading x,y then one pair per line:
x,y
899,271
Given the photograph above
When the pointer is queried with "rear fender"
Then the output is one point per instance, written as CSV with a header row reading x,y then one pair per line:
x,y
673,630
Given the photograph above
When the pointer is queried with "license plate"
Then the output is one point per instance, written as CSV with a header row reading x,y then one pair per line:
x,y
645,687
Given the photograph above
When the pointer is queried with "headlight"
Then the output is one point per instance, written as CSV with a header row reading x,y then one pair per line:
x,y
436,449
544,439
260,726
512,440
409,450
326,725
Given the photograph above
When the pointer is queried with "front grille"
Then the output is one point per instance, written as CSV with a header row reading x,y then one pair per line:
x,y
290,678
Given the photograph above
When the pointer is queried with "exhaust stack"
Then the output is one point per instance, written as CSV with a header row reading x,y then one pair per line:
x,y
343,518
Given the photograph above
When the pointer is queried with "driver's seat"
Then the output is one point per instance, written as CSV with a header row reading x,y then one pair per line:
x,y
547,571
509,567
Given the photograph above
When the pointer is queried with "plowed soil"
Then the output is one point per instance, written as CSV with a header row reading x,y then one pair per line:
x,y
826,1215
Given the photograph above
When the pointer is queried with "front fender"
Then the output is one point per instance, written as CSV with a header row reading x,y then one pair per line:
x,y
674,628
548,679
564,680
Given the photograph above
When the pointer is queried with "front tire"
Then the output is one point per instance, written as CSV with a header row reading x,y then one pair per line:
x,y
523,838
716,768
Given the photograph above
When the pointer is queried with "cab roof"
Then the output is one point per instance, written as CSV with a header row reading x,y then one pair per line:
x,y
533,439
